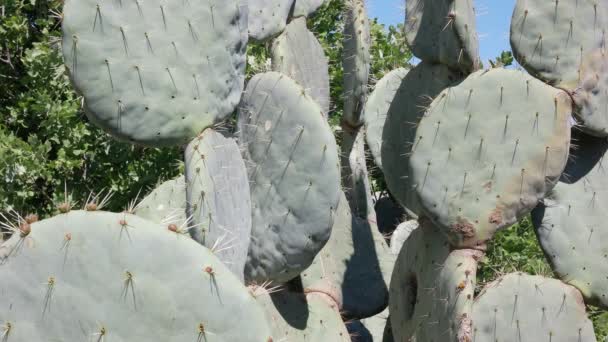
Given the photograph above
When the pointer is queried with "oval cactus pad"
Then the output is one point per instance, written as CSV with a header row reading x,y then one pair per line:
x,y
294,176
156,72
487,150
571,222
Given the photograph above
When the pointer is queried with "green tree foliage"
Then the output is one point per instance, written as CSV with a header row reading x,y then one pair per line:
x,y
504,60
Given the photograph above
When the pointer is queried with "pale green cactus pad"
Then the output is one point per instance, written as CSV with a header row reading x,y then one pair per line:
x,y
306,7
564,43
98,276
355,254
401,234
156,72
591,96
298,54
552,39
166,204
218,199
431,293
292,158
571,222
267,18
443,31
488,150
355,60
376,110
520,307
297,317
415,93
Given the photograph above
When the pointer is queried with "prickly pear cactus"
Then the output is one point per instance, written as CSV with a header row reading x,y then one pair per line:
x,y
355,254
156,72
102,276
571,222
564,43
431,292
218,199
408,102
443,31
521,307
297,317
267,18
355,60
377,107
306,7
165,204
504,137
298,54
294,176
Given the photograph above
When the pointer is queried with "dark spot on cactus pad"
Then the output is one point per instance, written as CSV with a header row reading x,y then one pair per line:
x,y
465,326
412,295
496,217
488,186
464,227
25,229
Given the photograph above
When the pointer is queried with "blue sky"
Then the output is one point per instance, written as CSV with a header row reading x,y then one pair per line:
x,y
493,19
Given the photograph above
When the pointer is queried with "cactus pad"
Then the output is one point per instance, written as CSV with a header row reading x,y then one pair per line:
x,y
443,31
521,307
165,204
552,39
355,254
564,43
355,60
416,91
401,234
267,18
504,137
431,293
292,158
298,317
571,223
219,202
298,54
155,72
376,110
591,96
100,276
